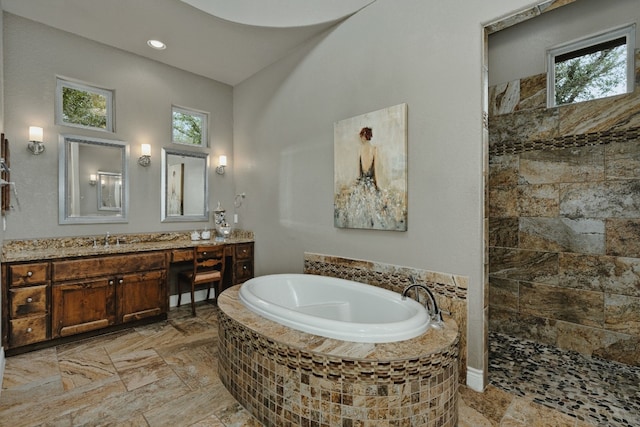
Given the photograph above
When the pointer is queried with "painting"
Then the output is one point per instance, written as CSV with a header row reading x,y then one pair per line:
x,y
370,170
175,205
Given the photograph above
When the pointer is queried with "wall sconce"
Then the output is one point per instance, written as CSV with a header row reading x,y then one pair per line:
x,y
93,178
145,158
35,140
222,162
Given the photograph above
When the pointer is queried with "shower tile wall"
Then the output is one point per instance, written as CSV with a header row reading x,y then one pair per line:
x,y
564,220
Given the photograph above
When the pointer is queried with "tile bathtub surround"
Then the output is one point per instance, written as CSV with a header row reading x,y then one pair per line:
x,y
285,377
564,215
450,290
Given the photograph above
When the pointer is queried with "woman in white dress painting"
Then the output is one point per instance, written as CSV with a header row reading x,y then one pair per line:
x,y
363,204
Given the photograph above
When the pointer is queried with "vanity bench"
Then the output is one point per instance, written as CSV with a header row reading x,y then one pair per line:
x,y
60,290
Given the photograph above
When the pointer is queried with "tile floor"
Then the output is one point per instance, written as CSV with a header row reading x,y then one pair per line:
x,y
165,374
601,392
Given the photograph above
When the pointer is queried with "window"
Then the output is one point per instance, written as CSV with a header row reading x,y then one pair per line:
x,y
591,68
189,126
84,106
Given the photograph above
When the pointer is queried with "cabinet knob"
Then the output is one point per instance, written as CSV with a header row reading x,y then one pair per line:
x,y
111,282
121,281
29,330
244,267
29,273
29,299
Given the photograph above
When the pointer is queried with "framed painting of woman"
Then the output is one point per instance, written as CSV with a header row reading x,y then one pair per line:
x,y
370,170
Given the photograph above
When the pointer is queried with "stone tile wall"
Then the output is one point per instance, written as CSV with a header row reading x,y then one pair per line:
x,y
449,290
564,220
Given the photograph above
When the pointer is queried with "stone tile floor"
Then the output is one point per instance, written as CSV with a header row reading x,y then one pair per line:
x,y
594,390
165,374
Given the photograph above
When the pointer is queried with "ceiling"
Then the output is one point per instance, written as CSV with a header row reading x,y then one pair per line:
x,y
225,40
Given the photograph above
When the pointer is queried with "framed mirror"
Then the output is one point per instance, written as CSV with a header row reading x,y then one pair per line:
x,y
185,183
92,180
109,191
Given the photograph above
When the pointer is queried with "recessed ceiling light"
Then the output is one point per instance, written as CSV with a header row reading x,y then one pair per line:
x,y
156,44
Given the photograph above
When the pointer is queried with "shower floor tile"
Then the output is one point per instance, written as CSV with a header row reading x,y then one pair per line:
x,y
600,392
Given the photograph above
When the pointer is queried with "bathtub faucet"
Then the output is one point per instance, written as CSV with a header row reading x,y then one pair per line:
x,y
434,312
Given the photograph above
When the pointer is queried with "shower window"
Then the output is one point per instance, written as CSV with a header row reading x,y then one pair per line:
x,y
591,68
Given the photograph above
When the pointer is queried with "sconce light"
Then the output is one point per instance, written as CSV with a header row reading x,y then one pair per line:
x,y
222,162
145,158
93,179
35,140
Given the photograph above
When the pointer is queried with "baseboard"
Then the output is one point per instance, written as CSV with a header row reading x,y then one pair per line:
x,y
200,295
1,367
475,379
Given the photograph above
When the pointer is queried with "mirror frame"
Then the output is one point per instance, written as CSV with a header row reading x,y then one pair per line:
x,y
163,196
63,191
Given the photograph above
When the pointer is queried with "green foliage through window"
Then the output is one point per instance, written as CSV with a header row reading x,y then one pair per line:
x,y
593,67
82,105
189,127
591,76
84,108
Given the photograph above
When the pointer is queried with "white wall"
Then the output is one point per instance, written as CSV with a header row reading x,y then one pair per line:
x,y
144,92
427,54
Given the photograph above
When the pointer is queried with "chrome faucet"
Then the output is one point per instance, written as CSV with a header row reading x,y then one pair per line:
x,y
431,306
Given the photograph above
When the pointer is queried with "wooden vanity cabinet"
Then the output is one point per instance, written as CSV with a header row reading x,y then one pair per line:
x,y
141,295
93,293
82,306
45,300
28,303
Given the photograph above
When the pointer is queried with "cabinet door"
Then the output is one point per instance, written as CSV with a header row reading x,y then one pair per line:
x,y
82,306
141,295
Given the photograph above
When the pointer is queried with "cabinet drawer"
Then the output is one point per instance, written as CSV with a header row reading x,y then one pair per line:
x,y
28,300
179,255
107,266
28,330
244,251
29,274
244,270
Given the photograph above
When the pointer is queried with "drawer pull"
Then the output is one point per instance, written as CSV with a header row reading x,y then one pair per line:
x,y
29,300
29,273
29,330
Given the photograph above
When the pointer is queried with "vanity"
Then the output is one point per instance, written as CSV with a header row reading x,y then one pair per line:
x,y
57,290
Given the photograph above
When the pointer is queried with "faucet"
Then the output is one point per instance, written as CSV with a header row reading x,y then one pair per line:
x,y
106,240
432,307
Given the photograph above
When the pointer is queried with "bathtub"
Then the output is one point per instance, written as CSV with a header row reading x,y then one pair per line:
x,y
335,308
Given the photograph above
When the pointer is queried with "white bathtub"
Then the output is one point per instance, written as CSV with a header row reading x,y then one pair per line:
x,y
335,308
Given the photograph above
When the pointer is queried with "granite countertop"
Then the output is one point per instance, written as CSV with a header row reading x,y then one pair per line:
x,y
69,247
432,341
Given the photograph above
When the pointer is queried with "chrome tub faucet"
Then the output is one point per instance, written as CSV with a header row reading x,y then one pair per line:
x,y
435,314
